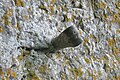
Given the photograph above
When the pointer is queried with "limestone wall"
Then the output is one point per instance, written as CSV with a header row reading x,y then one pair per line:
x,y
35,22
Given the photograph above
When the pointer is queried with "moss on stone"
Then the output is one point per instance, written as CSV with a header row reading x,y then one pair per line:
x,y
102,5
19,3
77,72
1,29
43,69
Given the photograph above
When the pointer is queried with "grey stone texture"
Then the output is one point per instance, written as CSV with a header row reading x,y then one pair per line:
x,y
35,23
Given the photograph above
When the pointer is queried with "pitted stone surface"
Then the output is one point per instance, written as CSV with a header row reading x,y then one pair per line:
x,y
36,22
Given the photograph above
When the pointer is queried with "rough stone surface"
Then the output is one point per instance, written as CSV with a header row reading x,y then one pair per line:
x,y
36,22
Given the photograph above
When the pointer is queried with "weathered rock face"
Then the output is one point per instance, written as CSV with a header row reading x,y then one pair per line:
x,y
36,22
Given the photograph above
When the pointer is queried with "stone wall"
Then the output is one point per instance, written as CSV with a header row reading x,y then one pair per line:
x,y
36,22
